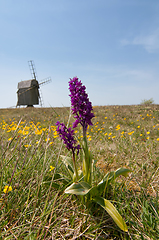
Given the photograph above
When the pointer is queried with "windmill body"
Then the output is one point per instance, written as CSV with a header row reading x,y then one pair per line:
x,y
29,91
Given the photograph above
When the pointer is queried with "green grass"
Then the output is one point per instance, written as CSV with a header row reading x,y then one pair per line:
x,y
122,136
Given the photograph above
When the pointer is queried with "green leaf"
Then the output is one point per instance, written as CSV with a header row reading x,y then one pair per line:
x,y
80,176
112,211
56,185
113,175
94,191
78,188
62,178
69,164
122,171
102,185
106,178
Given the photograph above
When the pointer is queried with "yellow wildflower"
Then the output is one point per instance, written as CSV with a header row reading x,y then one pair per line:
x,y
38,132
26,128
47,139
51,168
117,127
7,189
9,139
55,134
25,132
131,132
26,145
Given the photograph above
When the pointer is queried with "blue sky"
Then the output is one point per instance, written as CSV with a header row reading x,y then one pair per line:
x,y
111,46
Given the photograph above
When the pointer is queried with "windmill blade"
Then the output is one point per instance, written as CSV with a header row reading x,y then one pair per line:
x,y
32,69
45,81
41,98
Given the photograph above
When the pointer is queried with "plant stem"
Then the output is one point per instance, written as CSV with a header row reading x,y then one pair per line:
x,y
74,164
87,161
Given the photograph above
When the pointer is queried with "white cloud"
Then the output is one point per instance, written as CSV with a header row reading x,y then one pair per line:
x,y
149,42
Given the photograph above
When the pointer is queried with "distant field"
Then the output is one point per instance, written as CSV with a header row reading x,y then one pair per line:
x,y
34,208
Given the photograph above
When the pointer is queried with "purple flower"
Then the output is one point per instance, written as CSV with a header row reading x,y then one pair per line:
x,y
67,135
81,106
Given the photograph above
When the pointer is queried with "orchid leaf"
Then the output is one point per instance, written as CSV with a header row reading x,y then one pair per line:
x,y
122,171
55,185
106,178
94,191
80,176
69,164
78,188
102,185
112,211
61,177
113,175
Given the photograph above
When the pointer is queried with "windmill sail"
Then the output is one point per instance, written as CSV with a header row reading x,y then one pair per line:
x,y
32,69
45,81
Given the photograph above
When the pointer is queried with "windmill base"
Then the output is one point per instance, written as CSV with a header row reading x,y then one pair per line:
x,y
30,106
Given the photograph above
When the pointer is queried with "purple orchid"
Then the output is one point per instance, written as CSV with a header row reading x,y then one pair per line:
x,y
67,135
81,106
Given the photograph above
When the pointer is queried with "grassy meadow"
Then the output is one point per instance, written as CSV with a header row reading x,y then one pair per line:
x,y
33,206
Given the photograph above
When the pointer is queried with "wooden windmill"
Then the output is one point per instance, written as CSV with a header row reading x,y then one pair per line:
x,y
29,92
